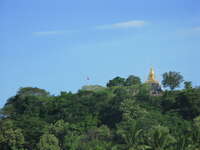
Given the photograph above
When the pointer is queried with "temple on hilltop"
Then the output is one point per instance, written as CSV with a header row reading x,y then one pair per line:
x,y
155,85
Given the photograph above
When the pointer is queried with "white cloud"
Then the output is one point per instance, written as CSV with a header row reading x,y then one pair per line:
x,y
120,25
53,32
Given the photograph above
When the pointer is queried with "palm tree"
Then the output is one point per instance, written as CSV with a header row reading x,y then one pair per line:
x,y
160,138
132,135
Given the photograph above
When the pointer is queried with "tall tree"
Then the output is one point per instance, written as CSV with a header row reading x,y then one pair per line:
x,y
132,80
188,84
172,79
117,81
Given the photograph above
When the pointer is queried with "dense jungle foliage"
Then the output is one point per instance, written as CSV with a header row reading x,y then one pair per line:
x,y
125,115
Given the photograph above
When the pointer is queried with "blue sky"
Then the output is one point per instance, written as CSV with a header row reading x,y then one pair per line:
x,y
56,45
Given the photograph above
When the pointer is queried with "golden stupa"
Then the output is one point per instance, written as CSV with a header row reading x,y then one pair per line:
x,y
151,78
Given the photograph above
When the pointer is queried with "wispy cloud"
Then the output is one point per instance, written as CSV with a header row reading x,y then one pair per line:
x,y
53,32
121,25
193,31
196,29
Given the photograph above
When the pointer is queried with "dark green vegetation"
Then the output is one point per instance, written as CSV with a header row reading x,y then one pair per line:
x,y
123,116
172,79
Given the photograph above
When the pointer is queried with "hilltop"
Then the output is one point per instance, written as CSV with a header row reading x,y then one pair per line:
x,y
125,115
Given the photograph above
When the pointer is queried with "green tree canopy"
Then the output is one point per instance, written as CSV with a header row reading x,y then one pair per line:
x,y
188,84
117,81
132,80
160,138
48,142
10,136
172,79
125,115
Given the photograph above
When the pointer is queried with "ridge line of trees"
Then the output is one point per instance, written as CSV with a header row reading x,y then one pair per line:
x,y
122,116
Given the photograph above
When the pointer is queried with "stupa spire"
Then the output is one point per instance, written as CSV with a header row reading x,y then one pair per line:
x,y
151,78
154,84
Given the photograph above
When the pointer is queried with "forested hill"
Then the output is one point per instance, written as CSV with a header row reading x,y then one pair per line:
x,y
125,115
